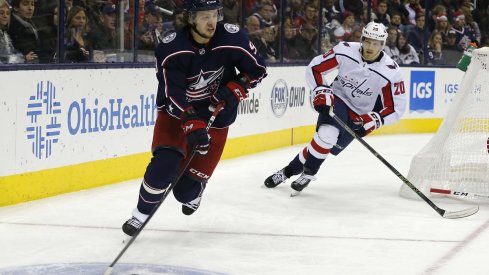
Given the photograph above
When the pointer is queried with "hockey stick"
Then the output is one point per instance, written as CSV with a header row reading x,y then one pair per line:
x,y
109,269
459,194
445,214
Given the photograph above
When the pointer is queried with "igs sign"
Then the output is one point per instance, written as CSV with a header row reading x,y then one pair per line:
x,y
422,91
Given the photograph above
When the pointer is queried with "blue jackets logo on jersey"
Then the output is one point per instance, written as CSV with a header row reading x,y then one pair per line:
x,y
279,98
422,91
203,85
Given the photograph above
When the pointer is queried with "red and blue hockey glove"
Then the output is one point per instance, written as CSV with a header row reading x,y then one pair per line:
x,y
195,131
232,93
367,123
323,99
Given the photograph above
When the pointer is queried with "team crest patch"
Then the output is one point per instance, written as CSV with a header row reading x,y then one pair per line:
x,y
169,38
231,28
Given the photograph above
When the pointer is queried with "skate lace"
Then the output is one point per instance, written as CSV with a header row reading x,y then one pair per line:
x,y
278,177
305,179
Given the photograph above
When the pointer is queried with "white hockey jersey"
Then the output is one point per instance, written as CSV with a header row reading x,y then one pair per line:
x,y
360,83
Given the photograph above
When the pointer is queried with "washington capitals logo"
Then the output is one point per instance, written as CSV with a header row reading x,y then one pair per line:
x,y
204,84
354,86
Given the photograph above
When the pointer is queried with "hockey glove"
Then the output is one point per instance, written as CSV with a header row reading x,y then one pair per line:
x,y
195,131
367,123
323,99
232,93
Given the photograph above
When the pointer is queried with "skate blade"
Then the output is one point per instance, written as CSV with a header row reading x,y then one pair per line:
x,y
295,193
126,238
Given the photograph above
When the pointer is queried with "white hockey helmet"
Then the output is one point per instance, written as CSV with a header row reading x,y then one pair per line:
x,y
375,31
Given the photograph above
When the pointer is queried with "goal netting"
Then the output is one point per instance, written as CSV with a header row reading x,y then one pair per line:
x,y
457,156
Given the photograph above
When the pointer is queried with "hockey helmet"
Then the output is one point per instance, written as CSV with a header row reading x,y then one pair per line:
x,y
193,6
375,31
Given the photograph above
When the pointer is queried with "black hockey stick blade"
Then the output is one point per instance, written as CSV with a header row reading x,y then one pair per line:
x,y
442,212
215,112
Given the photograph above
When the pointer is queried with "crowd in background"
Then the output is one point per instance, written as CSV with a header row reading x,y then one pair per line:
x,y
434,32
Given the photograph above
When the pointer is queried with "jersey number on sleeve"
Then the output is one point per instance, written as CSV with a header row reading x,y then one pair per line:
x,y
253,48
399,88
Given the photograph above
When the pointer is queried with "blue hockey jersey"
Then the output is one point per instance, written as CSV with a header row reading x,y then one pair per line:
x,y
190,73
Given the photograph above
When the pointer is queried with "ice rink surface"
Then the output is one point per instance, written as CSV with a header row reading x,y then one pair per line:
x,y
349,221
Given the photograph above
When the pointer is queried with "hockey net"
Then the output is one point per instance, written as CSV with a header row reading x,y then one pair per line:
x,y
457,157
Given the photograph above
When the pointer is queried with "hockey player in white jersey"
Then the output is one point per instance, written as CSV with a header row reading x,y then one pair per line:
x,y
367,93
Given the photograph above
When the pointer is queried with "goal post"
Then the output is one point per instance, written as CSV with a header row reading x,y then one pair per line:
x,y
456,159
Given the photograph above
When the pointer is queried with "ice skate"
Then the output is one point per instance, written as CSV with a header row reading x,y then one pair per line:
x,y
190,207
131,226
276,179
301,182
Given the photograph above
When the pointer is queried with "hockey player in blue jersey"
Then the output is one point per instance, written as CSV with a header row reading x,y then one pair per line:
x,y
367,93
196,68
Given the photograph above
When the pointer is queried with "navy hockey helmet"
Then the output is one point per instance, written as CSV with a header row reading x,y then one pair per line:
x,y
193,6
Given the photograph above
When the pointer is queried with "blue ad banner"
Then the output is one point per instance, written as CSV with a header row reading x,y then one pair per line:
x,y
422,97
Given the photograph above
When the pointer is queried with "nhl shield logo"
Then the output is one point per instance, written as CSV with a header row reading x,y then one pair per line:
x,y
231,28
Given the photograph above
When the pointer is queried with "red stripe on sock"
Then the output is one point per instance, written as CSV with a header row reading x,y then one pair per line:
x,y
318,148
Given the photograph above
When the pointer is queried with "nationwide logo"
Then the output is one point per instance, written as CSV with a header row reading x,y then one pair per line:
x,y
44,112
249,105
279,97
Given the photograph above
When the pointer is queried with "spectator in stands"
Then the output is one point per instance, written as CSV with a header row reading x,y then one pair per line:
x,y
470,24
450,50
265,44
104,38
467,4
265,15
407,53
310,16
23,32
289,49
78,45
413,7
433,54
416,35
355,6
356,35
437,12
230,9
294,9
391,44
330,12
306,41
396,21
481,16
380,15
152,29
178,19
8,54
396,7
344,31
442,27
464,35
252,26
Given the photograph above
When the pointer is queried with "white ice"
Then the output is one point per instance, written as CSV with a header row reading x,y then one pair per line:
x,y
349,221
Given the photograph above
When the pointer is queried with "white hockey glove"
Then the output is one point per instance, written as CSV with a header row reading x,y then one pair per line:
x,y
368,122
323,99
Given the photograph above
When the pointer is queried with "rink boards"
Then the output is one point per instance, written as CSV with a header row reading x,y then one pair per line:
x,y
69,130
